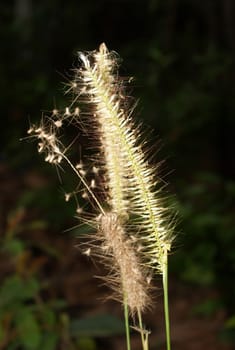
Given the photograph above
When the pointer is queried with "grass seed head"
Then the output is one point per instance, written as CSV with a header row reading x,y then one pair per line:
x,y
127,276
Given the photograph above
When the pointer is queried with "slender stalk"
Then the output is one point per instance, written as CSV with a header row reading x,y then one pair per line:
x,y
84,183
166,302
129,183
144,338
127,325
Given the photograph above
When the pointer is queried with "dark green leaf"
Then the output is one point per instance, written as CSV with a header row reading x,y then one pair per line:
x,y
49,341
86,343
14,246
28,329
15,289
97,326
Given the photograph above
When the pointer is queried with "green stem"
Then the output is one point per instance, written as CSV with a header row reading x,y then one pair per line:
x,y
128,338
166,303
144,338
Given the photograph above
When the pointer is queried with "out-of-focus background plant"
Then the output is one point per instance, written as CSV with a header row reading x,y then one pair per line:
x,y
181,54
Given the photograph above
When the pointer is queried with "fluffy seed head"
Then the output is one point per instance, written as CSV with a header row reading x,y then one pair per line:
x,y
127,276
131,180
96,74
48,142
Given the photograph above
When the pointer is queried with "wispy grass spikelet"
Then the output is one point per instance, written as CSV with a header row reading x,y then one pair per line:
x,y
126,270
133,227
131,179
96,74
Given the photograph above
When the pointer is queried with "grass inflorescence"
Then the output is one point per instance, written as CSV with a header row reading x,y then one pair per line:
x,y
134,233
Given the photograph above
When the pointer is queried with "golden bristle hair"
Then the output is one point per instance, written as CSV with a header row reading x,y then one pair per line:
x,y
127,276
131,180
133,229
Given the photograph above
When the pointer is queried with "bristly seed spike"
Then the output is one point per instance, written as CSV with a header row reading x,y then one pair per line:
x,y
133,230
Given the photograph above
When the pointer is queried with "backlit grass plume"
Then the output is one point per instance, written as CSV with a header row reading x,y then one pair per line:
x,y
131,180
127,271
98,87
133,230
134,179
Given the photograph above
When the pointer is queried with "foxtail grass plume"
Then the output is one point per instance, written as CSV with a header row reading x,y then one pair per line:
x,y
133,228
127,276
97,86
131,180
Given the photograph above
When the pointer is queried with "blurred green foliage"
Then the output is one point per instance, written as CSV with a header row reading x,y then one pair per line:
x,y
181,54
30,321
207,252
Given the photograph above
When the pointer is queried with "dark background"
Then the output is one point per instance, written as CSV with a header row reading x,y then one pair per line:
x,y
181,54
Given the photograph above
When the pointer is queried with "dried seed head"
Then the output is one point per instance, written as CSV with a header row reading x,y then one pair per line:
x,y
76,112
67,197
128,277
55,112
131,180
100,90
67,112
58,123
48,142
79,210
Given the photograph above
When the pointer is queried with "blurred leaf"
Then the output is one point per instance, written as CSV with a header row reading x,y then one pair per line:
x,y
48,317
36,225
230,323
207,308
49,341
57,304
86,343
16,289
14,345
97,326
227,335
28,329
13,246
198,274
